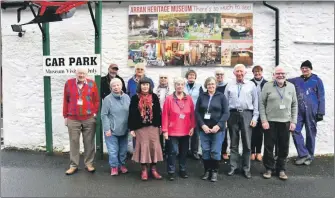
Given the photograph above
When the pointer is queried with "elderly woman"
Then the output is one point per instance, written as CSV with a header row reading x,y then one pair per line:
x,y
178,124
143,122
114,116
220,87
133,81
194,90
211,113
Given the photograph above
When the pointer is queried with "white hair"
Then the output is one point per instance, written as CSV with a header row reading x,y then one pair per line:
x,y
278,67
82,69
219,70
178,80
163,75
239,66
115,80
140,65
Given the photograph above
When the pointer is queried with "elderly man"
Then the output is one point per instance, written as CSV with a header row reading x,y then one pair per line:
x,y
80,105
112,73
278,111
311,104
243,104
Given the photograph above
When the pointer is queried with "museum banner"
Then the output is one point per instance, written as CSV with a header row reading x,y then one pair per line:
x,y
191,34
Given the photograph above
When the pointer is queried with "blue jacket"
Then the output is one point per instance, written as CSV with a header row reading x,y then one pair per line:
x,y
132,86
310,94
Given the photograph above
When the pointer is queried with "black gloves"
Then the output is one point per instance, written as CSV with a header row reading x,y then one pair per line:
x,y
319,117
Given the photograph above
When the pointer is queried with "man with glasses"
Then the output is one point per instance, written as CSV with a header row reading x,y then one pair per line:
x,y
311,102
278,111
112,73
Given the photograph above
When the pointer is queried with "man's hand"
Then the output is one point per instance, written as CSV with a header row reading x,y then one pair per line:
x,y
215,129
133,133
205,128
265,125
165,135
253,123
319,117
65,121
108,133
191,132
292,127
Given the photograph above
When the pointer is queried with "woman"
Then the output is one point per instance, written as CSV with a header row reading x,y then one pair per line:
x,y
178,124
220,87
114,116
194,90
212,114
143,122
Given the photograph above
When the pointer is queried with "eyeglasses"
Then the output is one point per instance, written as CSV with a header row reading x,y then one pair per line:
x,y
163,77
139,69
278,74
220,74
115,68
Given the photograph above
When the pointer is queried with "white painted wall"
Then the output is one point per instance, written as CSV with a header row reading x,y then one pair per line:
x,y
22,63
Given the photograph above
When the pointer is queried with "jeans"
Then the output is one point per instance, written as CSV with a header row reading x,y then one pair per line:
x,y
211,145
117,150
173,145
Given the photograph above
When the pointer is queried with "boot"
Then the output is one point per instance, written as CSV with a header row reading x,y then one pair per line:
x,y
144,173
207,172
154,172
215,169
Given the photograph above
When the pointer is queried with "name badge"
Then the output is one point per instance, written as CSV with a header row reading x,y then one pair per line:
x,y
207,116
181,116
80,102
282,107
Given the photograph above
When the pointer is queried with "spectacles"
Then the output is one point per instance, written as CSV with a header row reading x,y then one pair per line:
x,y
163,77
115,68
220,74
139,69
280,74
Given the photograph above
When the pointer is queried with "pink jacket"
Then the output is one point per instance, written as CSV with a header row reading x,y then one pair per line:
x,y
178,115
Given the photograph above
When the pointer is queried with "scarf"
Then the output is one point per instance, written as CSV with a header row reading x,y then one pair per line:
x,y
144,104
159,88
221,84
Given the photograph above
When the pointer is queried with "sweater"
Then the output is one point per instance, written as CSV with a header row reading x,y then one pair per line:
x,y
218,110
178,115
105,85
135,119
114,113
272,107
194,92
89,96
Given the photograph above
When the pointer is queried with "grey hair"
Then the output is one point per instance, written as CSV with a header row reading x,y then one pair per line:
x,y
219,70
178,80
115,80
82,69
239,66
208,80
278,67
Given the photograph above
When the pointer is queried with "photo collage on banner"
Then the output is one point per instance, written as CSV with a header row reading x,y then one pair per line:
x,y
191,35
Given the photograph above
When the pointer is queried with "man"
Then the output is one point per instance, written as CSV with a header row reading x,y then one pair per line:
x,y
80,106
311,102
257,132
243,104
112,73
278,111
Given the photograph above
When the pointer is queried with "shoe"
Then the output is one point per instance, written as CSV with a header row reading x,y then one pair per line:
x,y
171,176
214,177
282,175
252,157
301,160
183,174
259,157
231,172
114,171
308,162
123,169
71,170
206,175
196,156
267,174
90,168
225,156
247,174
144,173
155,174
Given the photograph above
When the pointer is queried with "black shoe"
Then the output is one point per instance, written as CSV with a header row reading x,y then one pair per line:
x,y
171,176
214,177
247,174
231,172
183,174
196,156
206,175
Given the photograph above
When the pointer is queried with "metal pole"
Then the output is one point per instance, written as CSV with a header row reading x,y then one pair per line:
x,y
47,94
99,137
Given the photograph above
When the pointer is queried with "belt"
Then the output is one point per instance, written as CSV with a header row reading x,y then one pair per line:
x,y
240,110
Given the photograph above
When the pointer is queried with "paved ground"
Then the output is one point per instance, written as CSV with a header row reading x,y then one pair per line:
x,y
32,174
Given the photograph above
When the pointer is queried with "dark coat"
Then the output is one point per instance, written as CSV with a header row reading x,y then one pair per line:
x,y
105,86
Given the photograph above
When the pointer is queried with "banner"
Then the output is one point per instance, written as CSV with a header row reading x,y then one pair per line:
x,y
191,34
66,65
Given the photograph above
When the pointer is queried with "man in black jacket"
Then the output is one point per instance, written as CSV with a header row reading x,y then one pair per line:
x,y
112,73
257,132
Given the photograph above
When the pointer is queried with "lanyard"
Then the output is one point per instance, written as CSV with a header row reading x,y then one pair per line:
x,y
239,87
80,91
180,107
280,95
209,102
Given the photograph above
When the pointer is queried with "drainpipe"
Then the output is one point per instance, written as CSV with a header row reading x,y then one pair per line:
x,y
277,29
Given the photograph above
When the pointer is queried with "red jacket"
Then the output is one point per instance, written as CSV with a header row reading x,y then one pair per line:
x,y
178,115
90,100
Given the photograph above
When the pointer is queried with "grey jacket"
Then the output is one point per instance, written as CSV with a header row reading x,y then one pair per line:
x,y
114,113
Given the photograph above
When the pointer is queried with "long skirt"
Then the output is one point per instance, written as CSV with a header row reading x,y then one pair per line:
x,y
148,148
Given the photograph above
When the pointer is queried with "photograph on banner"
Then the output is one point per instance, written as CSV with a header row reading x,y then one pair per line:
x,y
205,53
143,27
237,26
173,26
143,51
205,26
237,52
173,52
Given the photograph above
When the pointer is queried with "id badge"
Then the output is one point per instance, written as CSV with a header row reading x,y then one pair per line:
x,y
80,102
282,106
181,116
207,116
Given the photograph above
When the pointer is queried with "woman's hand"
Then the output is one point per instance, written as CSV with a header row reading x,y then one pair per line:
x,y
165,135
205,128
191,132
215,129
108,133
133,133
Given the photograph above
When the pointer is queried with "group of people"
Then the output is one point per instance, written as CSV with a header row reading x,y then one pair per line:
x,y
168,123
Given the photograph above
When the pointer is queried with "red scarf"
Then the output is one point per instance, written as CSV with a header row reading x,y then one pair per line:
x,y
144,103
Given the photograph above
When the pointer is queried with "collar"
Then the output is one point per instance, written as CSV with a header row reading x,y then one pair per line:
x,y
175,96
259,80
243,82
275,83
85,82
215,93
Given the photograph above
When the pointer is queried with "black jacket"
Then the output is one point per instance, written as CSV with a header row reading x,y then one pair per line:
x,y
105,86
218,109
262,83
221,88
135,119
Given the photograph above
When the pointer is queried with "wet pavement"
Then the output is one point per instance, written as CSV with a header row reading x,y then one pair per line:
x,y
34,174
